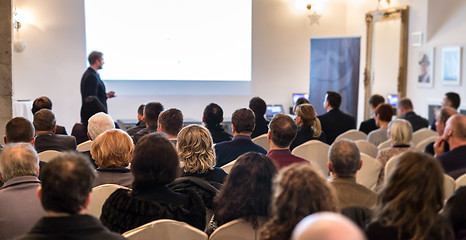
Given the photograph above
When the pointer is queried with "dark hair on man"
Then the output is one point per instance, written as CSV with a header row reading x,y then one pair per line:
x,y
376,99
385,112
41,102
44,120
66,183
90,107
333,99
141,109
18,130
243,120
345,158
151,113
213,115
454,99
94,56
258,106
155,161
406,103
282,130
301,100
171,121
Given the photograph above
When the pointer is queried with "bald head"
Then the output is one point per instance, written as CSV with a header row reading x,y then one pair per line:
x,y
456,127
326,226
344,158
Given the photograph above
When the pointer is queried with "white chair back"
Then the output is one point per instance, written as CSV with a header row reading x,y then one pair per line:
x,y
227,167
421,146
461,181
390,166
236,230
422,134
98,196
367,148
369,172
315,152
448,186
353,134
85,146
385,144
48,155
165,229
262,141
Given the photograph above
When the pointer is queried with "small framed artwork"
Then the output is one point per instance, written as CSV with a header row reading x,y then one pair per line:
x,y
426,68
451,66
416,39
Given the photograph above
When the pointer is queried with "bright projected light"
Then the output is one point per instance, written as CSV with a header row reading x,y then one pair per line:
x,y
204,40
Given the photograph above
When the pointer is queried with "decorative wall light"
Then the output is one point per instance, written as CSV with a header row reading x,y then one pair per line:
x,y
383,4
312,15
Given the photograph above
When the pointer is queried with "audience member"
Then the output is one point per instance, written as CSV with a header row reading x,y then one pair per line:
x,y
141,124
299,191
441,117
405,108
65,195
454,161
170,122
400,133
300,101
282,131
45,102
369,125
46,139
112,152
20,208
409,203
246,193
335,122
98,124
19,130
455,211
451,99
155,164
212,119
151,116
242,122
309,127
327,226
344,162
259,107
383,116
90,107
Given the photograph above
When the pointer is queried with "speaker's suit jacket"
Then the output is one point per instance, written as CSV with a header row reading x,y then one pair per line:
x,y
91,85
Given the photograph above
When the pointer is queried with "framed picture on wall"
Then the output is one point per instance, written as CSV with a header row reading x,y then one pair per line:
x,y
451,66
426,68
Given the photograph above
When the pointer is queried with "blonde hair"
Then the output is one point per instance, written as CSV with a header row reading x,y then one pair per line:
x,y
400,131
195,147
308,115
113,148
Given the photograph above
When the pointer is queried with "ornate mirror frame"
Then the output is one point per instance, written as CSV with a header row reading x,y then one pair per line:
x,y
385,15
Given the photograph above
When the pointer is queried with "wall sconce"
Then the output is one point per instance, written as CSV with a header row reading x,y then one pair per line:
x,y
383,4
312,15
16,20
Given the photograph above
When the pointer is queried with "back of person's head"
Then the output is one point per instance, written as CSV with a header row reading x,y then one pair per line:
x,y
344,157
141,109
453,99
94,56
66,183
243,120
327,226
44,120
299,191
400,132
195,147
301,100
99,123
19,129
455,210
91,106
458,126
406,104
375,100
308,115
151,113
155,161
213,115
333,99
17,160
258,106
113,148
171,121
282,130
385,112
41,102
445,113
415,186
247,190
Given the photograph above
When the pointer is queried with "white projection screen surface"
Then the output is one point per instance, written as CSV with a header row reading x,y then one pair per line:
x,y
199,40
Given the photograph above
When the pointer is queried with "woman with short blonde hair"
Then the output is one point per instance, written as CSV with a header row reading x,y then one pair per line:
x,y
309,127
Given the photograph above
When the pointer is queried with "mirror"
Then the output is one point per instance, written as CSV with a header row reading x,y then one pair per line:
x,y
386,54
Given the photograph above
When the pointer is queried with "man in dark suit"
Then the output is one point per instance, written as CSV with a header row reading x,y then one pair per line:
x,y
335,122
45,102
405,108
242,122
212,119
141,124
91,85
151,116
258,106
369,125
46,139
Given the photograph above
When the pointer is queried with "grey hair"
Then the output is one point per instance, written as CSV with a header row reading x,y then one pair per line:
x,y
345,157
99,123
400,131
18,159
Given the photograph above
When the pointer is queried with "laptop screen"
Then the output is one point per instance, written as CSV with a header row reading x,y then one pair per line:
x,y
272,109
